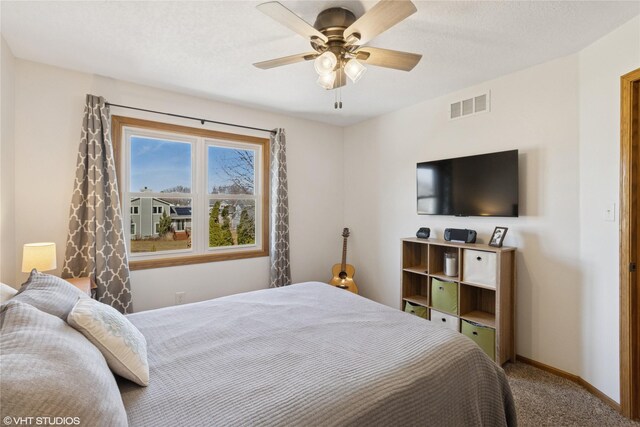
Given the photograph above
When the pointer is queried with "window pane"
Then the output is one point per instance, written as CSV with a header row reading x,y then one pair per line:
x,y
166,231
231,171
160,166
232,223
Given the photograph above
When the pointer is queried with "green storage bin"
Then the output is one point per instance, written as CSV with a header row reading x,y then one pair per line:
x,y
418,310
484,336
444,296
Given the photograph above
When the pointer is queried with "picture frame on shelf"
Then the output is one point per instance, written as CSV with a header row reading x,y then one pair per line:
x,y
498,237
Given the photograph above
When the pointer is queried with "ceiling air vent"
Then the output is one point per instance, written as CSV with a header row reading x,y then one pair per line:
x,y
470,106
456,110
480,103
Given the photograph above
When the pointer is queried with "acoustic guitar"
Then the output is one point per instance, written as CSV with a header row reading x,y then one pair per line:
x,y
343,273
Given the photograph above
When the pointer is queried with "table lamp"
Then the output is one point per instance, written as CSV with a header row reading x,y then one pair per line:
x,y
41,256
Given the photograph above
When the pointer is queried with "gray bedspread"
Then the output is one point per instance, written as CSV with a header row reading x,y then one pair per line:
x,y
310,355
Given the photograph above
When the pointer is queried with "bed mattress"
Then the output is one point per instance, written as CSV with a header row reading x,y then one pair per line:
x,y
310,354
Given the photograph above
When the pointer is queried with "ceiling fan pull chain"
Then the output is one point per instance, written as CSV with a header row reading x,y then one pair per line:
x,y
339,103
340,94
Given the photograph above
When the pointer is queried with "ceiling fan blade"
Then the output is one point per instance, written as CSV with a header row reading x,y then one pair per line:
x,y
290,20
265,65
384,15
387,58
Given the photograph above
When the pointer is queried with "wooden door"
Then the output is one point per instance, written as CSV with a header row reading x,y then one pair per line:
x,y
630,245
635,314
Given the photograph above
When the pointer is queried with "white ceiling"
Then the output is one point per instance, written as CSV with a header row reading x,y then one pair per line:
x,y
207,48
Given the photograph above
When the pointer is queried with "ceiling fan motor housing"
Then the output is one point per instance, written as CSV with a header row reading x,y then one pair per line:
x,y
335,18
332,22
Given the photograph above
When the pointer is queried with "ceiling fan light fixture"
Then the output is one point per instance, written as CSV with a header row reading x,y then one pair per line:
x,y
327,80
325,63
354,69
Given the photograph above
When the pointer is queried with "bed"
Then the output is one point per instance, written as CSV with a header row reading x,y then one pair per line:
x,y
310,354
303,355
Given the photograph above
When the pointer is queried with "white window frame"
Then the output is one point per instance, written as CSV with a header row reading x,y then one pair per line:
x,y
136,208
199,250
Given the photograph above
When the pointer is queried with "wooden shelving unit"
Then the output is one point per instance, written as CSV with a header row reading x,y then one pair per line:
x,y
417,270
486,296
418,300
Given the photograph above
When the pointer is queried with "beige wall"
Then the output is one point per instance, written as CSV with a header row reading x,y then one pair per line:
x,y
534,111
601,66
49,105
8,249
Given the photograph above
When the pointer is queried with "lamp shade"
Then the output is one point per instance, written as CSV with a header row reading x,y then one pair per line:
x,y
327,80
354,69
325,63
41,256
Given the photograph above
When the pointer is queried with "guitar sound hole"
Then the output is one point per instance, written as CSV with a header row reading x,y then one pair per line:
x,y
342,275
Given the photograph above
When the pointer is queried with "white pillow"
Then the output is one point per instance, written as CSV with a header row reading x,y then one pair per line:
x,y
121,343
6,292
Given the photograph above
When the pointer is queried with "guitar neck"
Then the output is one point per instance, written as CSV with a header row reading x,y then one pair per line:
x,y
343,266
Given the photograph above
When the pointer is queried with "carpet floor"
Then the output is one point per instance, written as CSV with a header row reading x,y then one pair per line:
x,y
544,399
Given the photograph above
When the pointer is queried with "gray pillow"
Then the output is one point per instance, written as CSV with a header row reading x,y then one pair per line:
x,y
51,370
50,294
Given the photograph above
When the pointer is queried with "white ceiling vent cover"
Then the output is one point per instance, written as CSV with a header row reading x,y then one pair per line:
x,y
470,106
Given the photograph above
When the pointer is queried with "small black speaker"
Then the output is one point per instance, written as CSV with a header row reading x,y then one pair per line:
x,y
460,235
423,233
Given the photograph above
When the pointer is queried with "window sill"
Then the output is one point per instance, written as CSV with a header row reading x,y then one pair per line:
x,y
194,259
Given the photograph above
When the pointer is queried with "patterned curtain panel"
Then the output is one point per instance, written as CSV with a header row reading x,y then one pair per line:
x,y
96,245
279,236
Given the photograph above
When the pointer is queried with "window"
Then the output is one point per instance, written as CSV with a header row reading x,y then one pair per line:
x,y
192,195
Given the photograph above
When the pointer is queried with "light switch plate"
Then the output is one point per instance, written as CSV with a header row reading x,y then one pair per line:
x,y
610,212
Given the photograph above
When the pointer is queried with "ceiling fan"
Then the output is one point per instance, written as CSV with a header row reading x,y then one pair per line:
x,y
339,41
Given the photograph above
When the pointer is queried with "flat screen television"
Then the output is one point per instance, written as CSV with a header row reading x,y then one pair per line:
x,y
482,185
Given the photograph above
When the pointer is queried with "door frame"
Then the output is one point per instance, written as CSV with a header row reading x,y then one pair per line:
x,y
629,292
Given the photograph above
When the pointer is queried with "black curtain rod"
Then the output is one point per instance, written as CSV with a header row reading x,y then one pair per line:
x,y
202,121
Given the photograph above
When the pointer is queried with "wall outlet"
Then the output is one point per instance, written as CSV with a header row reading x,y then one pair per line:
x,y
180,297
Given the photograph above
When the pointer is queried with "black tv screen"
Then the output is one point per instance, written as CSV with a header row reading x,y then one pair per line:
x,y
482,185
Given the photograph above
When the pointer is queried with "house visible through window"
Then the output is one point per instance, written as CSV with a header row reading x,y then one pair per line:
x,y
192,194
